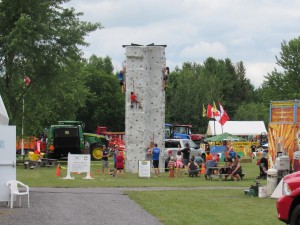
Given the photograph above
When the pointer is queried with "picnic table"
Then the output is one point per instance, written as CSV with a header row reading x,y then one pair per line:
x,y
48,162
216,172
43,162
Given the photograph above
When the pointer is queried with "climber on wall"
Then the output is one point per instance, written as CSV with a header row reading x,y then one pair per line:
x,y
134,101
165,72
121,78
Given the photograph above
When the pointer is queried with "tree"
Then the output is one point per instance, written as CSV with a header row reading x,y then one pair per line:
x,y
196,85
252,111
284,85
39,39
289,60
105,104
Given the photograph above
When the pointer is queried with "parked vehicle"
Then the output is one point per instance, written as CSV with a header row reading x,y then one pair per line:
x,y
181,131
173,145
69,137
288,205
168,130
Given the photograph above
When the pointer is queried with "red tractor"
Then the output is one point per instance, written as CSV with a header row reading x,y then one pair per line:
x,y
115,138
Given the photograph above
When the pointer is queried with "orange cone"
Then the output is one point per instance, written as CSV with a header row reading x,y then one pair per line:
x,y
203,169
57,173
171,173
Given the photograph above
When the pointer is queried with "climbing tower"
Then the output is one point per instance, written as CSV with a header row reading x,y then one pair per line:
x,y
144,122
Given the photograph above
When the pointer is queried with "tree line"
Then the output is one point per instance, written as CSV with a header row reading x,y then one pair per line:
x,y
41,40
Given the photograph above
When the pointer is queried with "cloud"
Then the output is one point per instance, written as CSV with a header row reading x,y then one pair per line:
x,y
250,31
204,50
256,71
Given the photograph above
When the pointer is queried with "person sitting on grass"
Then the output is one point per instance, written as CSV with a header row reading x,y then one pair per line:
x,y
209,164
227,169
263,166
199,160
193,168
236,169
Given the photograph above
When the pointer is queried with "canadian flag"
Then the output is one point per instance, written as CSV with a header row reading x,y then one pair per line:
x,y
212,112
223,115
27,80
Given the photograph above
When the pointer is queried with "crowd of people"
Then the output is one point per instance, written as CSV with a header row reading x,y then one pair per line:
x,y
203,163
119,161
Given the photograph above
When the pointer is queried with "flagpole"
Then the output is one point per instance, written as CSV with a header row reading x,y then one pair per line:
x,y
27,83
22,150
215,125
222,123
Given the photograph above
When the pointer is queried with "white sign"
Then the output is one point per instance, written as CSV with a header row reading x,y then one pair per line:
x,y
7,159
79,164
144,168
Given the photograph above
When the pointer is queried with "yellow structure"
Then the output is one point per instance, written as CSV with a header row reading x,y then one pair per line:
x,y
284,128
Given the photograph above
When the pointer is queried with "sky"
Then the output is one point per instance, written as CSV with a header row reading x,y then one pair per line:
x,y
250,31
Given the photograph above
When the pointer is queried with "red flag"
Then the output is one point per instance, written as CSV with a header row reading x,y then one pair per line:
x,y
212,112
223,117
216,112
27,80
209,112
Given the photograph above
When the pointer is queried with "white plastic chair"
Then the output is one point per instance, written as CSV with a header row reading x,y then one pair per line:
x,y
14,186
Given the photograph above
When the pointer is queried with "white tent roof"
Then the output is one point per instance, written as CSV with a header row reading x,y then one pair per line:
x,y
3,114
237,128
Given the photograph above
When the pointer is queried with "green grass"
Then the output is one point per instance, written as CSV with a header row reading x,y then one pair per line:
x,y
216,202
224,207
45,177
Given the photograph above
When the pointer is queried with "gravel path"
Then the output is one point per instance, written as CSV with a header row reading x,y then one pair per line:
x,y
88,206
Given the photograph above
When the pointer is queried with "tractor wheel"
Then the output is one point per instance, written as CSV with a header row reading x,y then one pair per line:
x,y
96,152
295,218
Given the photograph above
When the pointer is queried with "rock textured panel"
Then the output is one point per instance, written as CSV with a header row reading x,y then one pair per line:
x,y
144,125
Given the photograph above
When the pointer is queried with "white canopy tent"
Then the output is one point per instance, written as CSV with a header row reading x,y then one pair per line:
x,y
3,113
240,128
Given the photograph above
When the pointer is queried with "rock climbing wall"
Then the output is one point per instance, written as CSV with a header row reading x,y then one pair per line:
x,y
144,124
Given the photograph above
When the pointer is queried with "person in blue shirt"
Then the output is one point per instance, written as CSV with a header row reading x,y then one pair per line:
x,y
209,164
155,159
121,78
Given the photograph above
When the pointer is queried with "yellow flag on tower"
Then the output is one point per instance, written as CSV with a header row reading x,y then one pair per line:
x,y
203,111
214,108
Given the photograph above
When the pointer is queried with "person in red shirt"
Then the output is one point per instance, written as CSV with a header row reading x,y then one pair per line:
x,y
120,161
133,100
217,158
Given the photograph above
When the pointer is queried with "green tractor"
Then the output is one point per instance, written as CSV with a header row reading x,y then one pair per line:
x,y
69,137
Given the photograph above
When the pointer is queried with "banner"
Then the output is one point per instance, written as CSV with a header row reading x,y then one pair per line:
x,y
144,168
79,164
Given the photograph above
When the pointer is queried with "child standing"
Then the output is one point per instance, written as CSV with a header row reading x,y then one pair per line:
x,y
179,164
171,166
120,163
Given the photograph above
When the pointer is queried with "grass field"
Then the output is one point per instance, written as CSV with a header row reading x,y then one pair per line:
x,y
216,202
